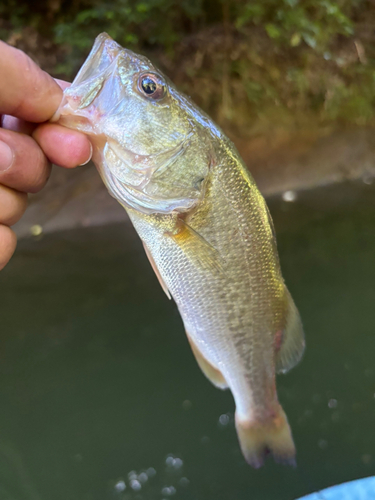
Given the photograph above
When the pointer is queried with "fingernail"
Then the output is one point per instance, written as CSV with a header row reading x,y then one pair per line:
x,y
6,156
89,158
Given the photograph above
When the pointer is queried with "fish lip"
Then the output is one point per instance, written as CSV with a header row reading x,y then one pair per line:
x,y
89,70
94,68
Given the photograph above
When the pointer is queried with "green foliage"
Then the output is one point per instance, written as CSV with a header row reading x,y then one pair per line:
x,y
133,23
124,20
164,22
287,54
316,22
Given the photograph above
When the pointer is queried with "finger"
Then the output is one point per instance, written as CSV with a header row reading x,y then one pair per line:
x,y
23,166
26,91
8,243
17,125
12,205
64,147
62,84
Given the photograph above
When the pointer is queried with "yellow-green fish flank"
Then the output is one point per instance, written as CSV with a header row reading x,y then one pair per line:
x,y
206,229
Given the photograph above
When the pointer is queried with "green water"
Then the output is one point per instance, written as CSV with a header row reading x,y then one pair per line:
x,y
97,379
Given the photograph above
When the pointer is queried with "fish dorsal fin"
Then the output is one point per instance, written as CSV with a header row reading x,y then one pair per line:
x,y
156,271
197,248
213,374
293,341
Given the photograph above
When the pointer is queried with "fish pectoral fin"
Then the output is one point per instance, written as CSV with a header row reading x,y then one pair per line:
x,y
213,374
293,341
273,435
197,248
156,271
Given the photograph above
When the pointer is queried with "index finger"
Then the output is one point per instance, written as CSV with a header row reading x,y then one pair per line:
x,y
26,91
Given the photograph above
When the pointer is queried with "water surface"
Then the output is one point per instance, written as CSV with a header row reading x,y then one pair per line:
x,y
102,399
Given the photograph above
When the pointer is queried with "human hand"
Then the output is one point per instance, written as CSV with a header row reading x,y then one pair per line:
x,y
28,98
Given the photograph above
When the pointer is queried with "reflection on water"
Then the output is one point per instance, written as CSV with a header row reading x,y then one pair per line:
x,y
101,397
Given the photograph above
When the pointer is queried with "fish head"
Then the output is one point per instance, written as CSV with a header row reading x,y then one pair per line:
x,y
147,142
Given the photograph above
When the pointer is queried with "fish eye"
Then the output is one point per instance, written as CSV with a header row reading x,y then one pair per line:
x,y
152,86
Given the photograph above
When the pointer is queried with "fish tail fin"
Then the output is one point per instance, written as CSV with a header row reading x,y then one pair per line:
x,y
258,439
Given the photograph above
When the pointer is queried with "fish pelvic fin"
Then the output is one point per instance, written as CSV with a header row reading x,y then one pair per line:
x,y
292,339
213,374
258,439
156,271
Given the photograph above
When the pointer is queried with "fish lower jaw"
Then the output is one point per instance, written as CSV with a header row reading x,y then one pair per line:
x,y
75,122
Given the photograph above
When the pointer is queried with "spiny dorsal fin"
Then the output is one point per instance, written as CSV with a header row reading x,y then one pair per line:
x,y
293,341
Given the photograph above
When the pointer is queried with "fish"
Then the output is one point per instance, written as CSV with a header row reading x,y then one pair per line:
x,y
205,227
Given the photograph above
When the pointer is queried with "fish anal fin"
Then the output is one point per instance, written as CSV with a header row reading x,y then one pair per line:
x,y
197,248
290,343
258,439
213,374
156,271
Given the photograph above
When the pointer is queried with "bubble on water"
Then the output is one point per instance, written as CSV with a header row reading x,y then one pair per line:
x,y
135,485
186,405
322,443
120,486
168,491
174,462
224,420
332,403
132,475
289,196
143,477
184,481
36,230
151,472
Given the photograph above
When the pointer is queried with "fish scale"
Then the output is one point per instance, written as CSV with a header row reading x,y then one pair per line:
x,y
205,227
222,313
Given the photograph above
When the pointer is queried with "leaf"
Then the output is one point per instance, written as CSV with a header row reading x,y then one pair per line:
x,y
295,40
272,30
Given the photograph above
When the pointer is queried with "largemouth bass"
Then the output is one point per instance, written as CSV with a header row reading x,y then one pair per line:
x,y
205,227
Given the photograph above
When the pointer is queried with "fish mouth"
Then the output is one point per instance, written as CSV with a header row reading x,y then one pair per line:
x,y
102,63
102,55
104,51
